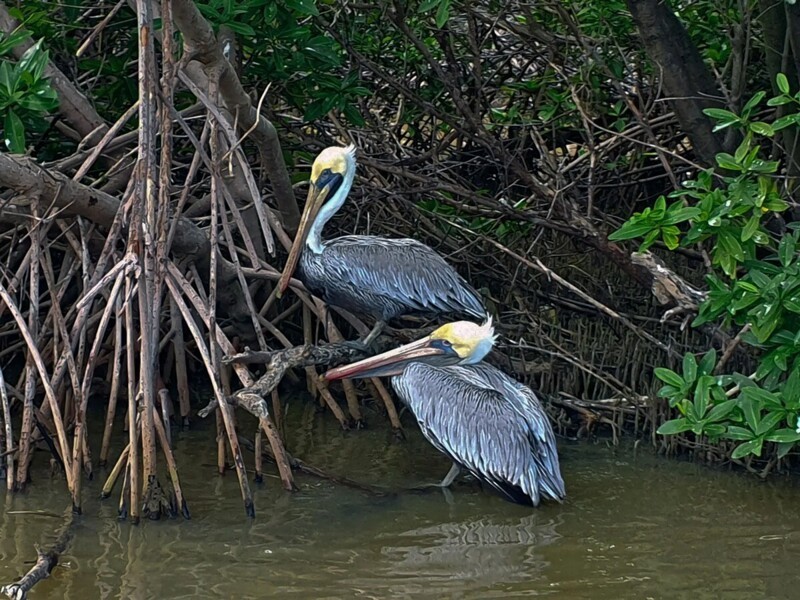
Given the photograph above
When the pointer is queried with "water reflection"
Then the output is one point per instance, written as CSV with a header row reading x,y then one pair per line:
x,y
466,555
634,526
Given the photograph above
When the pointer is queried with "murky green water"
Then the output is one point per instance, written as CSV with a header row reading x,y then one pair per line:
x,y
635,526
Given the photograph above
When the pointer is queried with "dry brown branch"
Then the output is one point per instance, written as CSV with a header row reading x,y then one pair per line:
x,y
116,368
80,415
132,465
180,360
264,217
730,349
252,397
42,372
111,480
172,467
27,427
105,141
669,288
99,28
142,241
225,411
278,362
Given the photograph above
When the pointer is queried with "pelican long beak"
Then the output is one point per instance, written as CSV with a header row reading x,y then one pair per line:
x,y
387,364
316,197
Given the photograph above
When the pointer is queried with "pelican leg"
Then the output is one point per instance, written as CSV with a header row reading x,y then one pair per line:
x,y
450,477
445,483
376,331
364,345
448,496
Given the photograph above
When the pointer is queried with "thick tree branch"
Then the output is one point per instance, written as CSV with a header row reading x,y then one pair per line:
x,y
251,398
687,82
73,105
202,45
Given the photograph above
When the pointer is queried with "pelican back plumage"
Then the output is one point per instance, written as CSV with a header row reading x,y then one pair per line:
x,y
489,424
386,278
380,277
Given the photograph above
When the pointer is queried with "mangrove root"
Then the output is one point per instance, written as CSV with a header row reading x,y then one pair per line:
x,y
252,398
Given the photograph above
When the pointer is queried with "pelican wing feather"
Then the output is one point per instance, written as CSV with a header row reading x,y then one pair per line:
x,y
388,278
528,407
489,424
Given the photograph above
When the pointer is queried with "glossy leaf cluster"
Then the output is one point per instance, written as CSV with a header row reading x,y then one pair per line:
x,y
755,286
26,95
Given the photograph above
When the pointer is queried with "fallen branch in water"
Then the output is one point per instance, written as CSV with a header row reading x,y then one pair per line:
x,y
45,562
302,466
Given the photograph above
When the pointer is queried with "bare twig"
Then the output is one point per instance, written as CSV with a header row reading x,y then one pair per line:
x,y
7,433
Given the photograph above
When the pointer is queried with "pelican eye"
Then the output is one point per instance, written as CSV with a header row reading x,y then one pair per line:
x,y
328,178
445,345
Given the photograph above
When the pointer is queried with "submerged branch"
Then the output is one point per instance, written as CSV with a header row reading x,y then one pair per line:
x,y
45,562
299,465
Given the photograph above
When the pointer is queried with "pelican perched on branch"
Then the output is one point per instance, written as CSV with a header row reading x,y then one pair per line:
x,y
485,421
380,277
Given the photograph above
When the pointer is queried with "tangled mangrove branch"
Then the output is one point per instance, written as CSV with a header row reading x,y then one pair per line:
x,y
143,233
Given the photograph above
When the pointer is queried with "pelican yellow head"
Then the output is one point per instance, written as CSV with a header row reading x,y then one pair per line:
x,y
334,159
331,177
470,341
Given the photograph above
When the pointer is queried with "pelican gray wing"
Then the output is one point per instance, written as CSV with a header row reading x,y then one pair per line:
x,y
528,406
476,416
387,278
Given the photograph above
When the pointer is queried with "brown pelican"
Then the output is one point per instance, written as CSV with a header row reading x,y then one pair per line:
x,y
380,277
485,421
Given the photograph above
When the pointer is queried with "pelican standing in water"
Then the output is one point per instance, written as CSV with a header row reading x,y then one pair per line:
x,y
380,277
485,421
